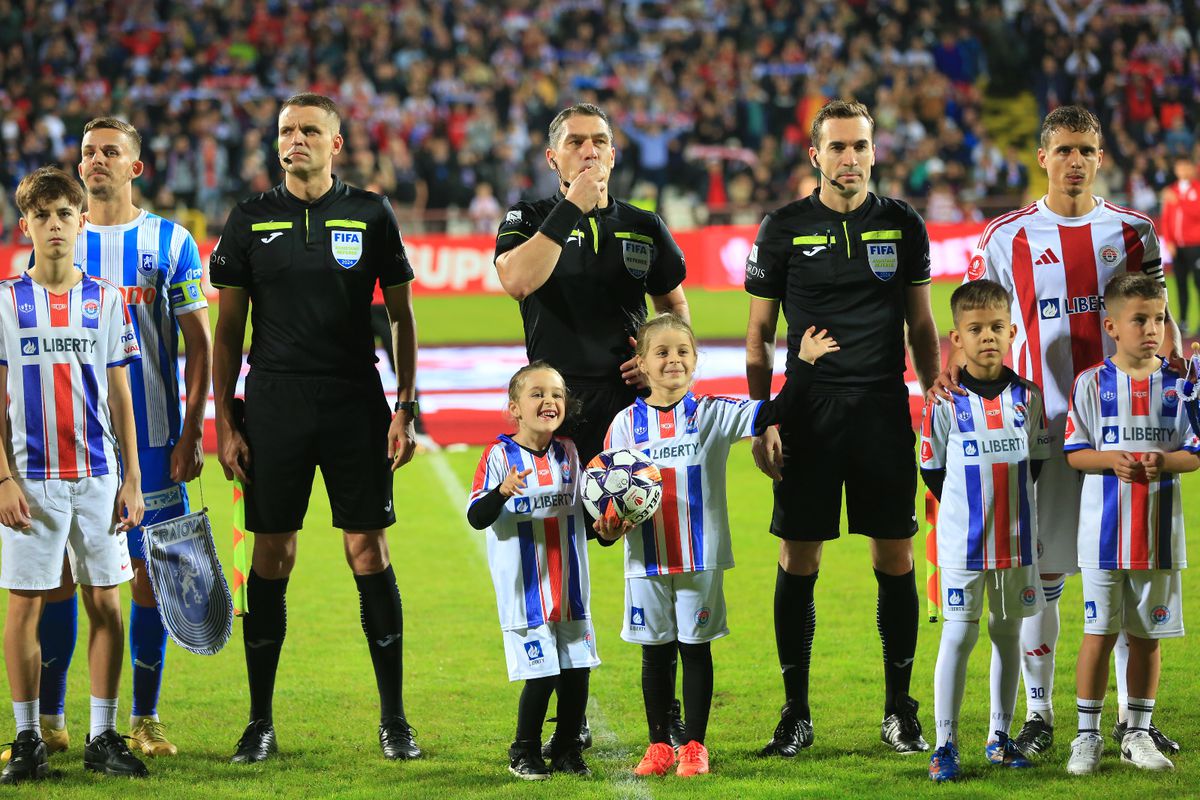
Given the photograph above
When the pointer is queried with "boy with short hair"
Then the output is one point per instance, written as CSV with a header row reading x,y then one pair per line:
x,y
1127,431
64,341
980,455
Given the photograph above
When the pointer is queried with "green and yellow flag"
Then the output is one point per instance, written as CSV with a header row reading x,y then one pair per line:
x,y
933,589
241,568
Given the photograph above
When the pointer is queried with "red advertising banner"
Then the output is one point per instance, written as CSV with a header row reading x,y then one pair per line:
x,y
716,257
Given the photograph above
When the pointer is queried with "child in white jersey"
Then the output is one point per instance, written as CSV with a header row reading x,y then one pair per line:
x,y
675,562
526,495
980,455
1128,433
65,339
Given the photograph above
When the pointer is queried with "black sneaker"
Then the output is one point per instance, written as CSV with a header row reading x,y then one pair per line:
x,y
108,753
29,760
396,739
676,731
792,735
902,730
1165,744
526,762
1036,736
570,762
551,745
257,743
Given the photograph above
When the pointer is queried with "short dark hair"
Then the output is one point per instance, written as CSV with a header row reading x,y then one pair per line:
x,y
979,294
45,185
115,124
577,110
1073,118
316,101
1130,285
838,109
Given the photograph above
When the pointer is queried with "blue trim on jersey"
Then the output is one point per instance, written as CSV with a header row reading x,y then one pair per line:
x,y
35,423
1108,393
1024,533
690,406
574,583
649,548
1017,392
1110,521
976,524
137,369
529,575
964,415
91,291
641,422
26,305
94,431
696,516
168,366
1166,497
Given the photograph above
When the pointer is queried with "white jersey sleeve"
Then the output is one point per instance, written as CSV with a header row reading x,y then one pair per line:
x,y
935,431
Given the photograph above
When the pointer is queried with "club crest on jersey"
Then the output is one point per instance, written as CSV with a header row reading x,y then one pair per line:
x,y
690,425
147,263
637,257
566,473
1109,435
883,260
1028,596
1050,309
347,247
1089,610
955,598
521,505
533,651
1109,255
1170,397
1018,413
91,309
1160,615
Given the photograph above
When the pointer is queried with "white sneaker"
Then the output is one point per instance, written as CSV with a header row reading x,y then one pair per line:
x,y
1086,749
1138,748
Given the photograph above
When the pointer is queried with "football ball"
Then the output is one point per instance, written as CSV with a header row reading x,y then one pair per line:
x,y
622,484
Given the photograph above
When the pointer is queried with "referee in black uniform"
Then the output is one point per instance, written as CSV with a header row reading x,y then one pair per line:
x,y
581,264
307,256
856,264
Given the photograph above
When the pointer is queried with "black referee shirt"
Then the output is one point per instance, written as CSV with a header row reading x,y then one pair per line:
x,y
311,270
847,273
581,318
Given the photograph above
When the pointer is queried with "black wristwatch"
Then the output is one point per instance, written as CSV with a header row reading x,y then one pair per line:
x,y
411,406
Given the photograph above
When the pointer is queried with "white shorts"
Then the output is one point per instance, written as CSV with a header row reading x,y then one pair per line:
x,y
688,607
75,514
1058,491
1147,603
547,649
1011,593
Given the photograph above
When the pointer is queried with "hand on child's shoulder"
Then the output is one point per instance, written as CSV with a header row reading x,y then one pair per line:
x,y
816,344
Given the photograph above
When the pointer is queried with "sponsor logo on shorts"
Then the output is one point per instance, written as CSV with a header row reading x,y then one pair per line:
x,y
703,616
956,598
1029,595
589,642
1089,610
637,618
1160,615
533,651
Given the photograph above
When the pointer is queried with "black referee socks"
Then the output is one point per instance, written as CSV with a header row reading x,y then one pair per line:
x,y
795,626
263,632
896,616
383,623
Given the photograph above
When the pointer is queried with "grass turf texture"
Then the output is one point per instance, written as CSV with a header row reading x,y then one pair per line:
x,y
459,700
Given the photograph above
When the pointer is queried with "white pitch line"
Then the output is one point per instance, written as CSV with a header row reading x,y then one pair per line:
x,y
626,785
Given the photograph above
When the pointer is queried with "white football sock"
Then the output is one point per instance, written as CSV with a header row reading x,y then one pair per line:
x,y
26,714
1039,636
1140,710
1005,673
104,715
1121,666
1089,714
950,676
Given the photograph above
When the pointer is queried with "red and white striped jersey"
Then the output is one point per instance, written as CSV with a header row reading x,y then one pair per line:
x,y
1056,269
690,444
537,547
1135,525
58,348
986,519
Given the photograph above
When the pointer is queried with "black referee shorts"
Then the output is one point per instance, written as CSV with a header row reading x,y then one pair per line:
x,y
861,441
295,424
597,405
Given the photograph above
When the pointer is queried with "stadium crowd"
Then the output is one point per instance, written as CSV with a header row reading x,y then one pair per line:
x,y
447,102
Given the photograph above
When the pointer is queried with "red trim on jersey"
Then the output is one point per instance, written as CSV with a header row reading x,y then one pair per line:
x,y
1129,211
554,568
666,424
926,420
477,483
1079,269
1140,393
60,310
669,508
993,412
541,468
1002,518
1003,220
1135,251
1022,266
1139,519
64,408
